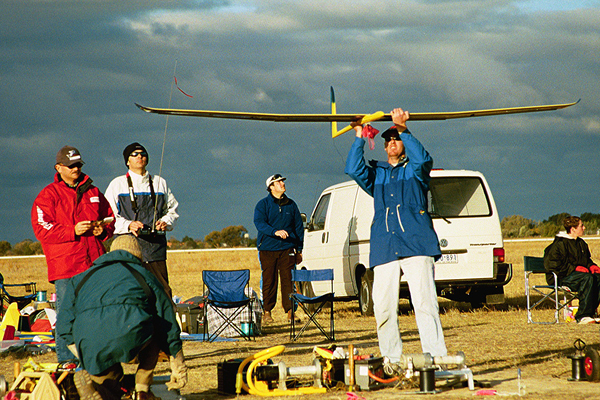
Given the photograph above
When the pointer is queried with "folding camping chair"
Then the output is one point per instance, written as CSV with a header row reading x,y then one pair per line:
x,y
552,293
226,295
22,301
312,305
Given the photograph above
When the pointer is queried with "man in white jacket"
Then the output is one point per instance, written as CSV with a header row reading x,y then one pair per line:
x,y
144,207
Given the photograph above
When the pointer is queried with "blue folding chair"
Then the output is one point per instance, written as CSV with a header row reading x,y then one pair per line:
x,y
226,290
22,301
312,306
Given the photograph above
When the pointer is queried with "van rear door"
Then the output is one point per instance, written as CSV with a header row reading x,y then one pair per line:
x,y
466,222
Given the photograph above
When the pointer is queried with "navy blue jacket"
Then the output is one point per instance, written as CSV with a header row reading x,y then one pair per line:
x,y
401,225
272,215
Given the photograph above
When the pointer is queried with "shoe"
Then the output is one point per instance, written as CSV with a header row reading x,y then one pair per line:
x,y
146,396
586,320
392,368
85,386
296,317
267,318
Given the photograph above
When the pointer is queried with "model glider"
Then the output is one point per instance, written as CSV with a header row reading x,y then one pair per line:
x,y
333,117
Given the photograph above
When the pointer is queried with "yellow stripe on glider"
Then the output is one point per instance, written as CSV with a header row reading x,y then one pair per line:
x,y
333,112
366,119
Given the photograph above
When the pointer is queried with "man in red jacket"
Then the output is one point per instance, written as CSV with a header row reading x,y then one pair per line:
x,y
71,219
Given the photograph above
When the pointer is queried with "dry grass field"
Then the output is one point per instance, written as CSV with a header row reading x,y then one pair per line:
x,y
496,341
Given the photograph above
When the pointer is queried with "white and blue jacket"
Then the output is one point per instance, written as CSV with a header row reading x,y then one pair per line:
x,y
154,247
401,225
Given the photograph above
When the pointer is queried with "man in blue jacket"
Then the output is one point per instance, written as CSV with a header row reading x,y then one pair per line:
x,y
279,241
118,311
403,241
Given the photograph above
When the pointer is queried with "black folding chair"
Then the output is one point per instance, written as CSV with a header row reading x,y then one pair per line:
x,y
226,295
22,301
312,306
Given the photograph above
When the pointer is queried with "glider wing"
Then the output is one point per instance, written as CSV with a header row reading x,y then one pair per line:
x,y
333,117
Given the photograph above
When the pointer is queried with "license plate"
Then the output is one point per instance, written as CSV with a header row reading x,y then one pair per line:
x,y
448,259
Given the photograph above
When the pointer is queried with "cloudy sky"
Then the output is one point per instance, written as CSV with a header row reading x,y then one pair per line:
x,y
72,70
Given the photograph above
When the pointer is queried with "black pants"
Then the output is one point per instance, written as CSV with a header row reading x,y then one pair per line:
x,y
272,263
159,270
587,287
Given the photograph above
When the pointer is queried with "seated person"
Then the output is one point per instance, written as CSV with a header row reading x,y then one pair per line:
x,y
119,312
569,257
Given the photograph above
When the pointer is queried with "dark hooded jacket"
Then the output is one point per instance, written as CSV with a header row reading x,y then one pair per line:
x,y
564,255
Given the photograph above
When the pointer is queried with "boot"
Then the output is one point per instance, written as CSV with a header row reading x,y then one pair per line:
x,y
267,318
146,396
85,386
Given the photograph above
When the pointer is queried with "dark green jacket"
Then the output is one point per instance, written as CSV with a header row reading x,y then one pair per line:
x,y
111,317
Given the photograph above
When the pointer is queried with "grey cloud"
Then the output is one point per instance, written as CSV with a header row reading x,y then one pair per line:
x,y
71,73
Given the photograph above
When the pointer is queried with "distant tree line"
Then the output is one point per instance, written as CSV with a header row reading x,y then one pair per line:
x,y
231,236
516,226
25,248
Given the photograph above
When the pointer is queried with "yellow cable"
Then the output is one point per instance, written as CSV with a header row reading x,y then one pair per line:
x,y
259,358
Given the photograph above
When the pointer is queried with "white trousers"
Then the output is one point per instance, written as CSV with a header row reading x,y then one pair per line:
x,y
419,274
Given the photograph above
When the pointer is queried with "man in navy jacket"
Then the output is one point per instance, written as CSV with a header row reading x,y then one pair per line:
x,y
403,241
279,242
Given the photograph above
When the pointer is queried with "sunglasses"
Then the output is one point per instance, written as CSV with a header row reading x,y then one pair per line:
x,y
387,139
76,165
138,153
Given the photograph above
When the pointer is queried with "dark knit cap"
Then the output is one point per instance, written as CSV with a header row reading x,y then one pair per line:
x,y
131,148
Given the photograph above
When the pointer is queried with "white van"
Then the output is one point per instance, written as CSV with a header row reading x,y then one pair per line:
x,y
465,218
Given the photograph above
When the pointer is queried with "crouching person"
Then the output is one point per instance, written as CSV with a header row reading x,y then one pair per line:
x,y
118,312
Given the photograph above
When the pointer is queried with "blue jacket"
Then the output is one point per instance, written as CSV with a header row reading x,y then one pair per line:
x,y
111,318
271,215
401,225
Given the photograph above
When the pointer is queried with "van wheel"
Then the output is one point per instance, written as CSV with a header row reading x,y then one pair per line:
x,y
365,294
477,300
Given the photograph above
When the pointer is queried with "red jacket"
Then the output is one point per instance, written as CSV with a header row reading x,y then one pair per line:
x,y
54,214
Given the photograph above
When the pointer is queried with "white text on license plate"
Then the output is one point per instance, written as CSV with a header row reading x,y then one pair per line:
x,y
448,259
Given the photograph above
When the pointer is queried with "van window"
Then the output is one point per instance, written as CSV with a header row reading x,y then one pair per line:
x,y
317,222
458,197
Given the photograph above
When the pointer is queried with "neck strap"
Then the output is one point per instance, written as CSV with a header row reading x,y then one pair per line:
x,y
132,194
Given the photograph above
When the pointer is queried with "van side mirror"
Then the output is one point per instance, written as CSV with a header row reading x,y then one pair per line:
x,y
303,216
